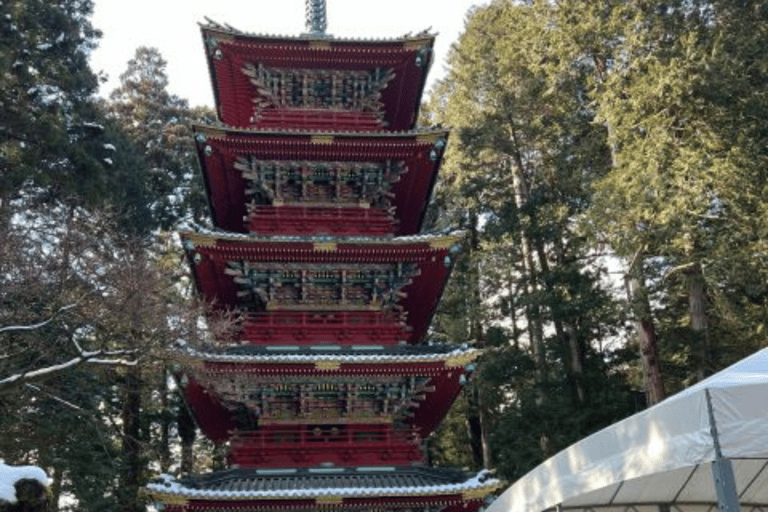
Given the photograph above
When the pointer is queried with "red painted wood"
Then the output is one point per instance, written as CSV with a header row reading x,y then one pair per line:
x,y
234,94
297,220
444,385
324,328
226,186
212,417
308,446
320,135
420,297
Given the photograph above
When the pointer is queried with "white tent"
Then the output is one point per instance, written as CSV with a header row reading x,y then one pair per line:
x,y
663,458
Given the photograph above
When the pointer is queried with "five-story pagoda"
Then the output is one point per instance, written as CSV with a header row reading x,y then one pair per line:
x,y
318,182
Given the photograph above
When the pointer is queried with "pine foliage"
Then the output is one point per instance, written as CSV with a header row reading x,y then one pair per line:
x,y
608,161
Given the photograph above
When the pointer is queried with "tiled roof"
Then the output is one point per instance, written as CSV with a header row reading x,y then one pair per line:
x,y
352,354
402,350
312,483
227,29
218,129
212,235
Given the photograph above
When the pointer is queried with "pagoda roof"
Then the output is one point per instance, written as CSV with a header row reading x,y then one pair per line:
x,y
230,52
428,133
445,365
214,26
324,360
210,253
320,483
220,148
451,355
211,238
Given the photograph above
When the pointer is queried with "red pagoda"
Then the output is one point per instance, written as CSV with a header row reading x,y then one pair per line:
x,y
318,181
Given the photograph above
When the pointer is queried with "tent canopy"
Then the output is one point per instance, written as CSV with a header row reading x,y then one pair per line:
x,y
663,455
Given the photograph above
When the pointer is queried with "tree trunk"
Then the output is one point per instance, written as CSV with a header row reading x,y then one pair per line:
x,y
637,295
476,424
131,417
566,333
186,427
476,332
484,434
55,488
531,246
475,327
165,423
475,431
698,312
533,311
516,333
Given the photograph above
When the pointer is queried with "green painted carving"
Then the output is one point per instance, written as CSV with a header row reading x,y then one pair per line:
x,y
319,183
263,285
345,90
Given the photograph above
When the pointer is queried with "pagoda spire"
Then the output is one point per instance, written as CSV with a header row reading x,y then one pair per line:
x,y
317,20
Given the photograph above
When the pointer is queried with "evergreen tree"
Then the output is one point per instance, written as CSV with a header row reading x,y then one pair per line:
x,y
48,118
523,157
156,123
684,201
632,128
74,290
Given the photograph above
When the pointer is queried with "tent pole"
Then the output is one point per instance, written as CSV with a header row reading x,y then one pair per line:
x,y
722,469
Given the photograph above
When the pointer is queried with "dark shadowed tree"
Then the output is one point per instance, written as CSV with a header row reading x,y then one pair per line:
x,y
47,116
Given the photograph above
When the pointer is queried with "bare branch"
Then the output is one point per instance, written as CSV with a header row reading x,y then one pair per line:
x,y
54,397
635,259
32,327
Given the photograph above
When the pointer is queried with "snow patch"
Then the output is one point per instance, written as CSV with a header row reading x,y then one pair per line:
x,y
9,475
46,94
167,485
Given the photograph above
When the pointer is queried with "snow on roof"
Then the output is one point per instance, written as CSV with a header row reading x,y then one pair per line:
x,y
167,486
201,233
460,354
9,475
219,129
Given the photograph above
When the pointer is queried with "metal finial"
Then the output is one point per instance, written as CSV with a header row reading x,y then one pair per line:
x,y
317,21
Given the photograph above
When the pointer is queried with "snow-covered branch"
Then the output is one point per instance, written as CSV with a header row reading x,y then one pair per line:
x,y
32,327
108,357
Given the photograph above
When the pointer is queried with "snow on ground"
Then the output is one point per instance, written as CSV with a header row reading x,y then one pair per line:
x,y
9,475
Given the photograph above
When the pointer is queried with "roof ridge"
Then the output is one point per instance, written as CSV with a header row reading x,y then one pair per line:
x,y
424,35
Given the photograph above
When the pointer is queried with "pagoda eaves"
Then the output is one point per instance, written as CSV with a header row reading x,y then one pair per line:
x,y
339,183
390,488
270,275
290,82
414,385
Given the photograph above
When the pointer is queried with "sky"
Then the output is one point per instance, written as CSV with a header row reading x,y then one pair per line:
x,y
172,27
